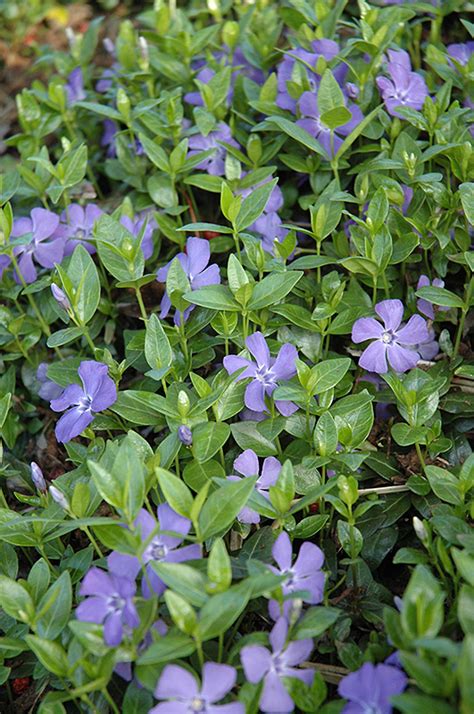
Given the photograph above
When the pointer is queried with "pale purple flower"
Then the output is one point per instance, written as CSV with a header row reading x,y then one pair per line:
x,y
311,121
195,264
37,477
98,392
109,600
461,52
108,137
75,87
390,341
160,546
215,163
58,497
265,372
303,576
424,306
135,227
49,389
371,687
43,243
247,465
185,435
60,296
286,69
183,695
4,263
259,663
77,224
429,348
405,88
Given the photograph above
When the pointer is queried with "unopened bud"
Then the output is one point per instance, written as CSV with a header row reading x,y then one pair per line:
x,y
60,297
59,497
420,530
352,90
184,404
108,45
71,37
185,435
37,477
144,53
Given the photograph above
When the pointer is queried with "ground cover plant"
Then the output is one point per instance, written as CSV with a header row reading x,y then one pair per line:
x,y
236,384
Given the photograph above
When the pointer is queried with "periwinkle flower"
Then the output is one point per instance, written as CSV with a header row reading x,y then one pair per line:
x,y
49,389
43,244
109,600
424,306
37,477
60,296
303,575
215,163
265,372
5,261
429,348
98,392
304,59
405,88
185,435
135,227
247,465
259,663
183,696
160,546
75,87
371,687
312,122
195,264
77,224
108,137
390,341
461,52
58,497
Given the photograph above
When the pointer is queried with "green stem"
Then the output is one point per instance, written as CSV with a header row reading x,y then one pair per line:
x,y
462,320
420,456
141,304
109,699
93,541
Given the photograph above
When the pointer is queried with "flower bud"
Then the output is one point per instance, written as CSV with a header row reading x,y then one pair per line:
x,y
37,477
420,530
230,33
144,53
352,90
123,105
60,297
108,45
184,404
185,435
71,37
59,497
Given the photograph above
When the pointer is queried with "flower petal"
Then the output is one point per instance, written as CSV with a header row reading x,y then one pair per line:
x,y
414,332
254,397
217,680
284,365
175,681
71,395
282,551
401,358
247,463
274,697
374,358
71,424
258,348
391,312
366,328
198,251
256,661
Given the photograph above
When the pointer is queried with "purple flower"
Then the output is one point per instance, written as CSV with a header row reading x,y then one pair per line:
x,y
185,435
259,663
311,121
429,348
204,75
109,600
215,163
60,297
183,696
328,49
49,389
36,230
247,465
195,264
461,52
304,575
124,669
264,372
135,227
390,341
78,224
37,477
98,392
4,263
75,87
108,137
59,497
404,88
371,687
160,546
424,306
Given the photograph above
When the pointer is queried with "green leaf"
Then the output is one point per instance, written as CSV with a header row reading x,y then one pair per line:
x,y
297,133
183,579
247,436
51,655
16,600
273,288
349,140
338,116
155,153
215,297
330,95
445,485
158,352
253,206
222,610
208,438
440,296
84,278
466,191
223,505
327,374
55,606
316,621
174,646
144,408
64,337
175,491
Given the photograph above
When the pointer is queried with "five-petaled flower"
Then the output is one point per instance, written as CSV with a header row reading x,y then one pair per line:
x,y
371,687
214,164
162,539
390,341
195,264
183,696
259,663
265,372
405,88
75,87
109,600
303,577
42,243
98,392
247,465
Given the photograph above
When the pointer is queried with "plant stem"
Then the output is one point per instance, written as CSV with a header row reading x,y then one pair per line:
x,y
141,304
420,456
464,312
